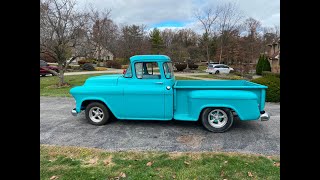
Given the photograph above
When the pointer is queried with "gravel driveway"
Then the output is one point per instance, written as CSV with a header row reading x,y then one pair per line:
x,y
59,127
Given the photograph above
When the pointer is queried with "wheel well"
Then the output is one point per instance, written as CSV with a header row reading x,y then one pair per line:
x,y
85,103
199,118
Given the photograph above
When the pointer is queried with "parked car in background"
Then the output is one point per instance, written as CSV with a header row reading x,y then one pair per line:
x,y
44,66
218,68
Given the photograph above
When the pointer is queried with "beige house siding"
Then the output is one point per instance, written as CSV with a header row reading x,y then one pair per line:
x,y
274,56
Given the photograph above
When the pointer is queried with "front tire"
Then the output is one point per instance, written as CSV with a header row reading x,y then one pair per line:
x,y
97,114
217,120
217,72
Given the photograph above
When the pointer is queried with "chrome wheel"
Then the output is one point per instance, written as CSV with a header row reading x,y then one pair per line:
x,y
96,114
217,118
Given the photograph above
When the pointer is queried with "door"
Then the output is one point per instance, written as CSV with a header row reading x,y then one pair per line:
x,y
144,93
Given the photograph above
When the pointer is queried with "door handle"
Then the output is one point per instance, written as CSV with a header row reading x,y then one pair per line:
x,y
159,82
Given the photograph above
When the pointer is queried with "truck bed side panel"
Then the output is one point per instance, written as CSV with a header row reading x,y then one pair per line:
x,y
190,102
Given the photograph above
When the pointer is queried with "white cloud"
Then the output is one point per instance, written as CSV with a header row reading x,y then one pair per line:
x,y
151,12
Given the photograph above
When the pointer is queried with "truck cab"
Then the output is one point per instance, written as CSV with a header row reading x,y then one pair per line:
x,y
148,90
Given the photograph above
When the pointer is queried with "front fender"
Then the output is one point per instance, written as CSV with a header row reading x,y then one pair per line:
x,y
111,96
244,103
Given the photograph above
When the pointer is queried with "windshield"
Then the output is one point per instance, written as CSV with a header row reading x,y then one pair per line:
x,y
168,70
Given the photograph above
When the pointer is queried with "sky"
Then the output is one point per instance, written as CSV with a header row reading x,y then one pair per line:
x,y
176,14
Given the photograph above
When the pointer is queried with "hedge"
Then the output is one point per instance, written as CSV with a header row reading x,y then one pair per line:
x,y
180,67
113,64
273,91
193,66
267,73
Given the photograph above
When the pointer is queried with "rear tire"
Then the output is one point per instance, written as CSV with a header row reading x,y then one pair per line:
x,y
217,120
210,73
97,114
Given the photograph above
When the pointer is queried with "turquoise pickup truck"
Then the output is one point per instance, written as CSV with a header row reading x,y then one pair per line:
x,y
148,91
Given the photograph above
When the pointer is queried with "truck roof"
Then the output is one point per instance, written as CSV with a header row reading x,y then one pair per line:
x,y
149,57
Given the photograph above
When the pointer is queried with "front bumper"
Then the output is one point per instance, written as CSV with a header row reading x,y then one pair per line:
x,y
74,112
264,116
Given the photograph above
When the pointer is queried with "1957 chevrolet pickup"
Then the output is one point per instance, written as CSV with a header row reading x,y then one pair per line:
x,y
148,91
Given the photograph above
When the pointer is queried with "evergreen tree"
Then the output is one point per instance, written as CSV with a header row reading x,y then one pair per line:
x,y
156,41
266,66
263,65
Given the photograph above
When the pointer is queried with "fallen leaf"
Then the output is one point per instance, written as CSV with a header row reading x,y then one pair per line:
x,y
158,169
250,174
161,176
276,164
225,162
122,174
150,163
173,176
54,177
222,173
187,163
225,179
93,161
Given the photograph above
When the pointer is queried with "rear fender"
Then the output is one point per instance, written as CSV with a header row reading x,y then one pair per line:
x,y
244,103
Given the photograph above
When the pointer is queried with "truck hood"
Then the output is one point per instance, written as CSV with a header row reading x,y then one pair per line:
x,y
105,80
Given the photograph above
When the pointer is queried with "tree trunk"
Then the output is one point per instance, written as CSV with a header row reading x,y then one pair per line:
x,y
61,76
208,56
220,54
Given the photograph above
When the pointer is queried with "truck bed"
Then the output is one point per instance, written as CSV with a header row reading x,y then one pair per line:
x,y
240,94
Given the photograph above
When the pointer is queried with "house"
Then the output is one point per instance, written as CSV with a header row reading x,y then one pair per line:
x,y
274,56
105,55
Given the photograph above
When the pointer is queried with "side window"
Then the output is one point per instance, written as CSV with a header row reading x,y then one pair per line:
x,y
128,73
147,70
43,63
168,70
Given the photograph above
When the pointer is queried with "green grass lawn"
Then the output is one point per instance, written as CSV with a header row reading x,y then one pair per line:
x,y
224,76
48,84
184,78
86,163
202,68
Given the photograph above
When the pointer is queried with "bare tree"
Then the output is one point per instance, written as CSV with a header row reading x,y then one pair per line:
x,y
229,19
63,33
251,26
103,31
207,18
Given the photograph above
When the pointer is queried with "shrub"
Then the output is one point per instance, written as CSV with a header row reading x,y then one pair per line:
x,y
100,68
113,64
73,67
263,65
180,67
123,61
273,91
84,61
124,66
88,67
193,66
267,73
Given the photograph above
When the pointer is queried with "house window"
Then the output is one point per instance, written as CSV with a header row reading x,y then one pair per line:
x,y
108,57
